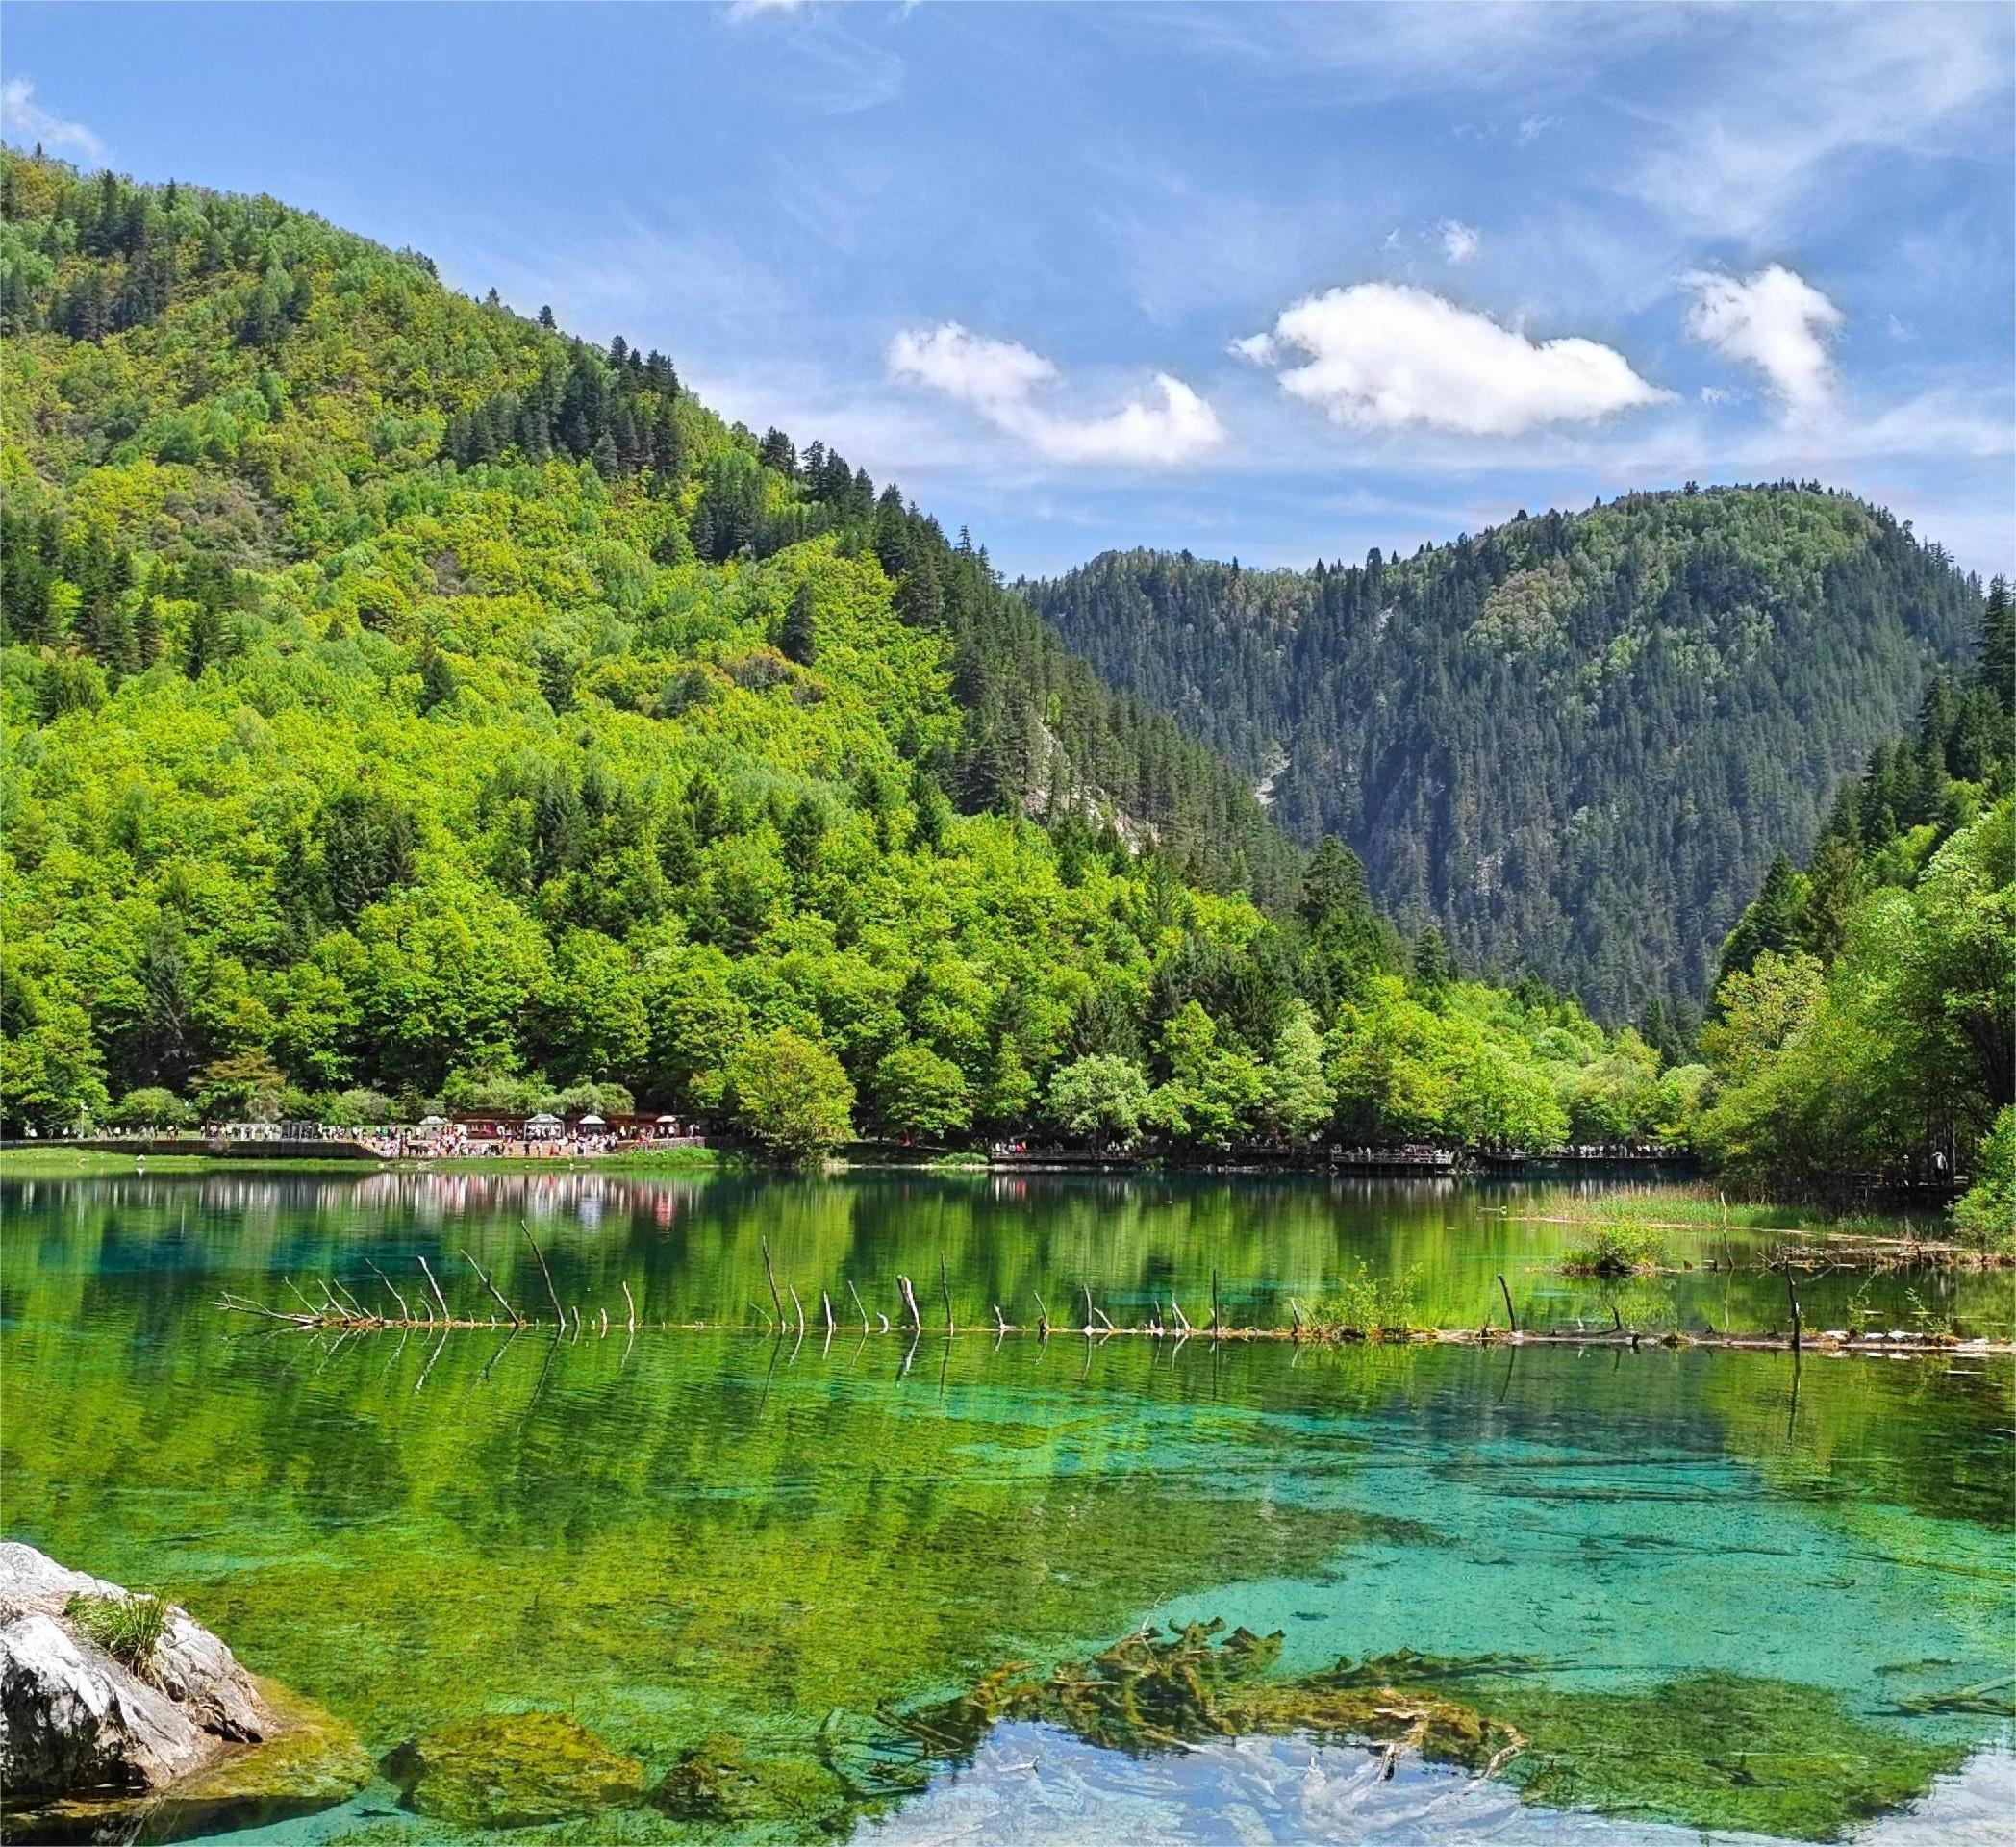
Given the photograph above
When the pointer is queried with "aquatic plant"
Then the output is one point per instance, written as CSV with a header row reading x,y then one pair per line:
x,y
1362,1303
514,1770
1694,1206
1709,1750
720,1779
1615,1251
1720,1751
1151,1693
129,1628
1935,1324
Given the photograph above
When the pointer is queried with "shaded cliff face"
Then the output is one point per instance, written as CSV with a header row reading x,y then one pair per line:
x,y
1574,742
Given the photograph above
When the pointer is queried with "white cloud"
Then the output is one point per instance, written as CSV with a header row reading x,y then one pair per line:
x,y
1004,382
20,114
1774,320
1384,356
1944,421
1459,241
992,375
1530,129
1716,395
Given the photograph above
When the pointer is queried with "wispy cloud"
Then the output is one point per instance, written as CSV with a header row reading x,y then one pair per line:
x,y
818,59
1797,103
1489,45
1775,321
638,279
23,116
1006,384
1459,241
1383,356
1944,421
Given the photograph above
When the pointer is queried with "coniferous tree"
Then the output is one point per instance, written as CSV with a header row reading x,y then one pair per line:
x,y
797,639
1576,741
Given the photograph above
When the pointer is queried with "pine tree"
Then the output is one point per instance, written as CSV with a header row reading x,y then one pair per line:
x,y
1775,920
1997,650
438,682
208,641
797,639
1434,967
918,601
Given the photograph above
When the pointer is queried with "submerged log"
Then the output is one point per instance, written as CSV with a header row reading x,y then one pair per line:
x,y
331,1317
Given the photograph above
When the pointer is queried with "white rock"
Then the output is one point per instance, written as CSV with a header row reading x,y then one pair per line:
x,y
73,1718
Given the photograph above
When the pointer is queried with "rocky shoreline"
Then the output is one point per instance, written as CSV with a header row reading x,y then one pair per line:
x,y
121,1718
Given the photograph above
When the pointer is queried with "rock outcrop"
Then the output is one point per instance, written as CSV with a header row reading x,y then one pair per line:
x,y
73,1717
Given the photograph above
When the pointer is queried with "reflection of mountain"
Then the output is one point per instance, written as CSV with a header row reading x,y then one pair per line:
x,y
691,1246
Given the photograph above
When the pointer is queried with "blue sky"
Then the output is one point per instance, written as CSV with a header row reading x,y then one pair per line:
x,y
1274,282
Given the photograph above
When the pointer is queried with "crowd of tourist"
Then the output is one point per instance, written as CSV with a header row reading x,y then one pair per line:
x,y
542,1136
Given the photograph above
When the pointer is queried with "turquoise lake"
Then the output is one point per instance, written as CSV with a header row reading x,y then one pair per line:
x,y
675,1535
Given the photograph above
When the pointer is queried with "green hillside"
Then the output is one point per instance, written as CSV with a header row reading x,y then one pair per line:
x,y
1865,1012
397,690
405,704
1574,742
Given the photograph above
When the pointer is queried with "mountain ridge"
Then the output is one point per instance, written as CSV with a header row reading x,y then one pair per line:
x,y
1477,720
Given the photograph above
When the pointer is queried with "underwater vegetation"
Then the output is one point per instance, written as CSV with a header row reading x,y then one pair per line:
x,y
1718,1751
1707,1750
518,1770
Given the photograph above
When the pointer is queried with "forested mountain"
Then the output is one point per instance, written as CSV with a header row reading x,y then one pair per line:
x,y
1865,1009
406,703
1574,742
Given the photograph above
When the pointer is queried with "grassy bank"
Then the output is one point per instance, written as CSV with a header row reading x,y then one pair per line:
x,y
65,1163
1699,1208
1626,1229
655,1160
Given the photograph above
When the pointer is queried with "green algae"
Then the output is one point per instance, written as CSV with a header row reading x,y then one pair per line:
x,y
722,1779
512,1770
313,1763
1718,1751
